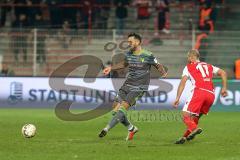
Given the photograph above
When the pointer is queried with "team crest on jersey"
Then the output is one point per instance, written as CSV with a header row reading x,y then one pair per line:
x,y
142,60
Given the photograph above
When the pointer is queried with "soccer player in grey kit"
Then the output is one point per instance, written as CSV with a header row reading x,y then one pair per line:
x,y
139,62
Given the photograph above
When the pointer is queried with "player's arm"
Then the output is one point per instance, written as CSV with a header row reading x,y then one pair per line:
x,y
160,67
180,91
117,66
223,75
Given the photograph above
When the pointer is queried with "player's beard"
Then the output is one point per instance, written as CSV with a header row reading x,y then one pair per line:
x,y
134,48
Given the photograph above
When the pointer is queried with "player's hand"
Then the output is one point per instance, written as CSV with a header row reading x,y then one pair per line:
x,y
176,103
224,92
106,70
164,75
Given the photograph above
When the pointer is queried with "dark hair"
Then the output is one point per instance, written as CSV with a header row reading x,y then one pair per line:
x,y
136,36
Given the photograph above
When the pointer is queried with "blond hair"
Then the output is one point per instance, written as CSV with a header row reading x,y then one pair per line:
x,y
194,52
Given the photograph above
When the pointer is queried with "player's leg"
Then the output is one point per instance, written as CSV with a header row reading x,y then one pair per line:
x,y
120,116
116,106
192,125
122,94
132,97
120,100
189,121
190,114
197,118
208,101
131,128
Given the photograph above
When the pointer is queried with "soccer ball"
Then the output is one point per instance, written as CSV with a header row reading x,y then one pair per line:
x,y
28,130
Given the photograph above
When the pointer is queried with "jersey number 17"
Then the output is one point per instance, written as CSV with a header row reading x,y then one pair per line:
x,y
203,68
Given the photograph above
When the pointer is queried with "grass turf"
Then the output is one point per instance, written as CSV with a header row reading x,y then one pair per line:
x,y
63,140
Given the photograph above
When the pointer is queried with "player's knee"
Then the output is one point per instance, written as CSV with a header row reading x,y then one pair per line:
x,y
186,114
125,105
115,104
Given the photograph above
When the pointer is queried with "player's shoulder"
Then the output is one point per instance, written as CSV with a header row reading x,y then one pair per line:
x,y
128,53
194,64
185,68
205,63
191,66
146,52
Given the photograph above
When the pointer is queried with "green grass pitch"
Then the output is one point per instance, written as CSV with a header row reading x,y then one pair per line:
x,y
61,140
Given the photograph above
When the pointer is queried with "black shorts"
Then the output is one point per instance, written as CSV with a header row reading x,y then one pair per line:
x,y
129,95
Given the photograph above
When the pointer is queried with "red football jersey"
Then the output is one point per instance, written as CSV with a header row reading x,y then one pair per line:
x,y
201,74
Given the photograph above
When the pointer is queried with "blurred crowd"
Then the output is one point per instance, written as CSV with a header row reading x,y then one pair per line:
x,y
206,24
80,13
86,13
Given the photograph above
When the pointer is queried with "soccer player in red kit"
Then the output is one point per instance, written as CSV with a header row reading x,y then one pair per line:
x,y
202,94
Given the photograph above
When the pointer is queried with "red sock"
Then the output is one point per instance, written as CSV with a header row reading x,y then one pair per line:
x,y
190,123
196,119
186,133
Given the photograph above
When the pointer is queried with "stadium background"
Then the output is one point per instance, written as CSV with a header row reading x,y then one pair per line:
x,y
67,40
49,45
